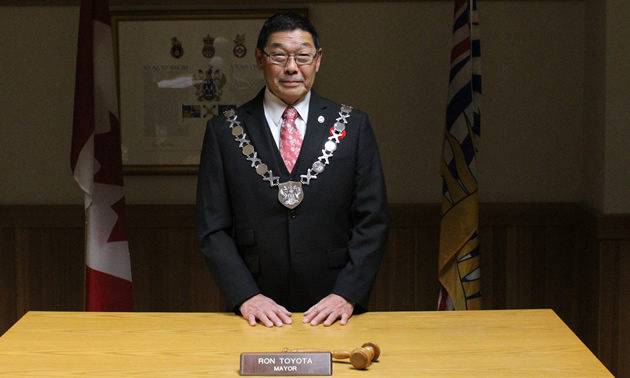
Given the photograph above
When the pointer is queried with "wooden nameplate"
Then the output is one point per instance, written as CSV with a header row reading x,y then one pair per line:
x,y
285,364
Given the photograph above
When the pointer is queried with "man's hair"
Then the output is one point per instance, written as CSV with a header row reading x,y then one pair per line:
x,y
282,22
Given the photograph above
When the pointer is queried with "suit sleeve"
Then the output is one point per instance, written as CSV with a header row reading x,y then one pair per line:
x,y
369,221
214,224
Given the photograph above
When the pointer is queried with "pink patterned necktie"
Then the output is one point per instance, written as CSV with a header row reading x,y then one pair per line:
x,y
290,138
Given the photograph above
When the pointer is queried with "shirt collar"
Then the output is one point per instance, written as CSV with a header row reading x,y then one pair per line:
x,y
275,107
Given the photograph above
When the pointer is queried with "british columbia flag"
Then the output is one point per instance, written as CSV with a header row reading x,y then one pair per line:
x,y
459,265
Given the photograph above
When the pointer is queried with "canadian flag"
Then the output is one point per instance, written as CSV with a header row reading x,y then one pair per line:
x,y
96,163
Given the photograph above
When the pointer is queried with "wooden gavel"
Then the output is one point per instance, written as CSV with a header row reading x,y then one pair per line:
x,y
360,358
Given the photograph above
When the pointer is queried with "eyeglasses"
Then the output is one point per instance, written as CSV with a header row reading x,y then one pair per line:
x,y
302,59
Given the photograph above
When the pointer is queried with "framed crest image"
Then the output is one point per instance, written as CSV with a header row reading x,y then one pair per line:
x,y
175,71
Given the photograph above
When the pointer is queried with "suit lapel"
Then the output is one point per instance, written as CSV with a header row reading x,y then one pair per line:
x,y
253,117
316,133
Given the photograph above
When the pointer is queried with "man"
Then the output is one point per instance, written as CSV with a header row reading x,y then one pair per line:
x,y
307,234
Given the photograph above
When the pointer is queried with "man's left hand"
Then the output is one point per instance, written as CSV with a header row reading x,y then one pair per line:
x,y
328,310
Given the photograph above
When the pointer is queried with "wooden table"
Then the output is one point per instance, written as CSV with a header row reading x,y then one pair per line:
x,y
514,343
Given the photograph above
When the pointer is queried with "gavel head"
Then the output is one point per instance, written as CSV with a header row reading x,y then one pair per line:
x,y
375,347
361,358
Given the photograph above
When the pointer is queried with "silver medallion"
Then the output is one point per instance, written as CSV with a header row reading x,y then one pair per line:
x,y
248,150
261,169
237,131
330,146
318,167
290,194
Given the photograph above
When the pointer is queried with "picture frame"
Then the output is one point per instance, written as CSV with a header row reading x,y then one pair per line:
x,y
175,71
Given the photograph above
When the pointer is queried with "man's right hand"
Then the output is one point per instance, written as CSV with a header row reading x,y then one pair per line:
x,y
266,310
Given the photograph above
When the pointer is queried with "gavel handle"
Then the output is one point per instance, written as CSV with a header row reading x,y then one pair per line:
x,y
340,354
336,354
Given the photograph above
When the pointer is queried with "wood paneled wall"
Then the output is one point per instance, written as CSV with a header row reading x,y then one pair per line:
x,y
549,255
609,238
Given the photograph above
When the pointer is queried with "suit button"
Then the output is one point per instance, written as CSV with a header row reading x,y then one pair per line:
x,y
293,214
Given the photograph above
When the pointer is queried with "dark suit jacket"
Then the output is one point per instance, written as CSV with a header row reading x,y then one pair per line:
x,y
333,242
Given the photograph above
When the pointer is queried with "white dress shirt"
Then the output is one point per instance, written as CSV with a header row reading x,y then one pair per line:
x,y
274,107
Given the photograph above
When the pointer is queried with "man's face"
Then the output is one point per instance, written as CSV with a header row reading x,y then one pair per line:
x,y
289,82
